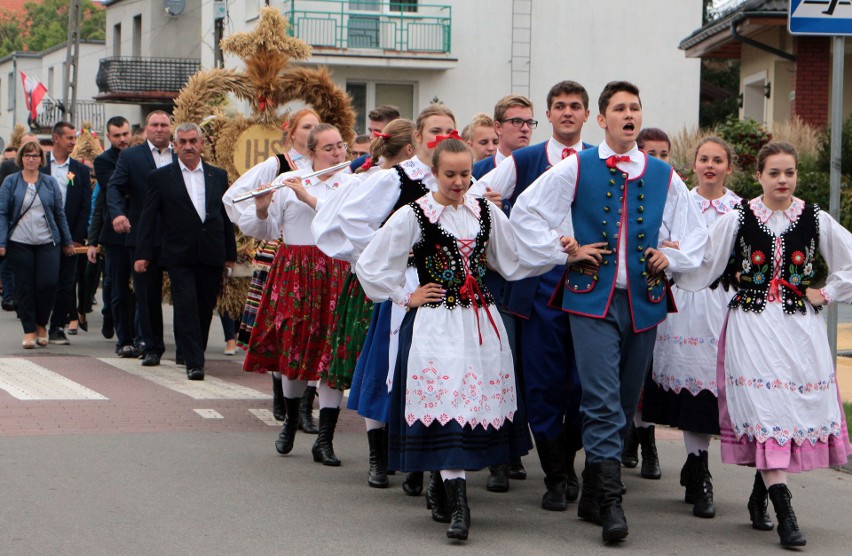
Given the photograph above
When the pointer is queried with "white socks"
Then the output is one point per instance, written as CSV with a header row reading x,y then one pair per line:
x,y
328,396
696,442
293,388
450,474
372,424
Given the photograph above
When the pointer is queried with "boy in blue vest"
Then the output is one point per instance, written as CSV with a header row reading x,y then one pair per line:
x,y
550,382
620,203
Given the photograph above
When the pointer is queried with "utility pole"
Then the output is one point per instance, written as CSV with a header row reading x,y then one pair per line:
x,y
72,58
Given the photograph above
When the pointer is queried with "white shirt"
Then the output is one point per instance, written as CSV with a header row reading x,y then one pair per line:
x,y
504,176
60,174
545,205
194,182
161,158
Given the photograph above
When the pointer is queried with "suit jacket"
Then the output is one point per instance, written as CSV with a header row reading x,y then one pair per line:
x,y
127,187
186,239
78,198
100,229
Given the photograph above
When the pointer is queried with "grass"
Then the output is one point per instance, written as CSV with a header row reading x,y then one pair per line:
x,y
847,407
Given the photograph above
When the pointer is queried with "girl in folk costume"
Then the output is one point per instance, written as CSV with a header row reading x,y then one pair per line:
x,y
454,386
779,406
292,332
296,157
364,212
681,390
352,314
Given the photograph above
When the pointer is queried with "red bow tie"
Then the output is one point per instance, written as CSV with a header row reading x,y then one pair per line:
x,y
615,159
454,134
567,152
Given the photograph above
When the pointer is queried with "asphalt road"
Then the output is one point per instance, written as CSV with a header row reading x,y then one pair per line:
x,y
143,467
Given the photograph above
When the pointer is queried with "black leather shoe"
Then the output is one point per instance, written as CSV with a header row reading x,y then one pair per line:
x,y
608,481
126,352
757,505
9,305
151,360
413,483
436,499
517,472
196,373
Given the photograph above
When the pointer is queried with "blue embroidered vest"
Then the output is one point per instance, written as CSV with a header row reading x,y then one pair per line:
x,y
530,163
484,166
602,194
754,250
439,260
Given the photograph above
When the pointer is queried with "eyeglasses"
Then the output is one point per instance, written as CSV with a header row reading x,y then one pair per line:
x,y
338,147
31,155
519,122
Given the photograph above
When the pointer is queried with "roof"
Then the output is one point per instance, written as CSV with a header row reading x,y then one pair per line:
x,y
711,38
60,46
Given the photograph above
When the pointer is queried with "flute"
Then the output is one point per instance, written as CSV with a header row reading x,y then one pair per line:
x,y
278,182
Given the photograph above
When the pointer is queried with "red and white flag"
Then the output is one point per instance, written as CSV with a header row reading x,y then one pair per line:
x,y
34,92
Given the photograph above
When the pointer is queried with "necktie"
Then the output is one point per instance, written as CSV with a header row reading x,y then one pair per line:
x,y
567,152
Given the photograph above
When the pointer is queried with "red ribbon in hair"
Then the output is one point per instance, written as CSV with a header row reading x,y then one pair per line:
x,y
454,134
367,163
382,135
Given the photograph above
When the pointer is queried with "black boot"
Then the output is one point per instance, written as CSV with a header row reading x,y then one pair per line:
x,y
323,449
650,461
284,444
378,477
457,496
630,452
552,456
413,483
608,479
306,411
516,469
703,487
498,480
278,410
572,489
588,508
788,527
757,504
690,469
436,499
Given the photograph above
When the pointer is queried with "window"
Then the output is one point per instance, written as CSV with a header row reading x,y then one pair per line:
x,y
11,93
403,6
365,6
137,36
50,78
116,39
362,32
366,95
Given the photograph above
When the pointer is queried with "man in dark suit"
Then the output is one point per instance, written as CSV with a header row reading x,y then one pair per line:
x,y
125,199
118,321
198,240
74,183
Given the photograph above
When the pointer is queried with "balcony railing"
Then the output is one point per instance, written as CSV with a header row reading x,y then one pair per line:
x,y
401,26
153,78
84,111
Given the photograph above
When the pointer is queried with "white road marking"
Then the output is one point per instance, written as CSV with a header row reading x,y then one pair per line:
x,y
25,380
209,413
265,416
173,377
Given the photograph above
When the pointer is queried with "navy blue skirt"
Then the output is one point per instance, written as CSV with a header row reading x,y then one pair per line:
x,y
368,394
452,446
699,413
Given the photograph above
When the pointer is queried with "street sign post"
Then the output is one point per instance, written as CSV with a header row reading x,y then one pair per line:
x,y
828,17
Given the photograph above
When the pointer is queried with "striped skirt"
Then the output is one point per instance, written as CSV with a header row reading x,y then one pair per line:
x,y
262,261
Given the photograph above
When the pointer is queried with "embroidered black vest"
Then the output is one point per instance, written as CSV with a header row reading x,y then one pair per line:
x,y
754,250
439,260
409,190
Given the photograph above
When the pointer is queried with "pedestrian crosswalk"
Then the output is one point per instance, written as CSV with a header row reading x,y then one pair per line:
x,y
26,380
170,376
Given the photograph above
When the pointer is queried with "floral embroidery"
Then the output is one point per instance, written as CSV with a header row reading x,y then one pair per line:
x,y
759,278
782,435
758,258
798,258
777,384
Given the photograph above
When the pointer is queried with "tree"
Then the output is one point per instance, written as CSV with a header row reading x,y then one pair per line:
x,y
45,25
